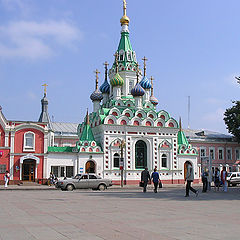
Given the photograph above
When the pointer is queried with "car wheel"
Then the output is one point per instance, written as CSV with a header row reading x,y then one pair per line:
x,y
70,187
234,184
101,187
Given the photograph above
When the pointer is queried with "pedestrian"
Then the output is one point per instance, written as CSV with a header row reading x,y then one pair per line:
x,y
205,180
6,178
155,178
224,178
189,178
145,177
216,179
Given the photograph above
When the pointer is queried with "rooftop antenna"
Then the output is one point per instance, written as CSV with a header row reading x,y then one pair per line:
x,y
188,112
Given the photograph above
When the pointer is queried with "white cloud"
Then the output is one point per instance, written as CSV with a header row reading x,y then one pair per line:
x,y
215,101
34,40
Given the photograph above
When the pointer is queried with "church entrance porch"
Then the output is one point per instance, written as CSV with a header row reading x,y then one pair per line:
x,y
28,170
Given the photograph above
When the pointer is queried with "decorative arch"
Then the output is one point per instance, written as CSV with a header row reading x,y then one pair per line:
x,y
136,119
171,123
115,112
163,115
119,102
129,103
123,120
129,112
159,123
148,122
108,118
152,115
142,113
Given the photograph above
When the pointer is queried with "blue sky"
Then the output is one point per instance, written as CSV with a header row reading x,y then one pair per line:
x,y
192,46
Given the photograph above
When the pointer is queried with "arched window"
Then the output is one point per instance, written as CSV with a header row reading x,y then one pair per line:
x,y
29,141
148,123
170,125
164,160
123,122
136,123
116,159
110,121
159,124
140,154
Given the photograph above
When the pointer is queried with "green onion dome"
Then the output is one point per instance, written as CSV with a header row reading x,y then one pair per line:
x,y
117,80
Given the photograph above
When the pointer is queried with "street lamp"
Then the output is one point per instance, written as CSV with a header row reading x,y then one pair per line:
x,y
121,165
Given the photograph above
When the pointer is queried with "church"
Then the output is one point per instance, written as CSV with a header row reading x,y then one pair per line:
x,y
123,134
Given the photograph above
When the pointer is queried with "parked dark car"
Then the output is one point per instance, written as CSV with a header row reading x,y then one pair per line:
x,y
84,181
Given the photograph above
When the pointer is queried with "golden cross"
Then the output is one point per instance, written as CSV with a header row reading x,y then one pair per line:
x,y
137,71
144,64
106,69
45,88
124,8
96,72
116,60
151,78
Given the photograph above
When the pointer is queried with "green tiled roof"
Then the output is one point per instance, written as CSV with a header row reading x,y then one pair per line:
x,y
60,149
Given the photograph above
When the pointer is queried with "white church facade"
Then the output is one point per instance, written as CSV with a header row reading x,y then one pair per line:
x,y
124,125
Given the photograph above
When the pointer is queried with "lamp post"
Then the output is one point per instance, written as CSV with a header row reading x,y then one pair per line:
x,y
121,165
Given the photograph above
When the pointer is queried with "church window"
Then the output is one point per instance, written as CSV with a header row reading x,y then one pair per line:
x,y
162,117
130,86
121,57
129,56
116,159
150,115
29,141
127,114
159,124
123,122
90,150
114,114
110,121
164,160
170,125
139,115
148,123
140,154
136,123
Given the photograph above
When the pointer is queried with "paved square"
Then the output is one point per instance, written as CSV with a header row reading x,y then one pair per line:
x,y
119,214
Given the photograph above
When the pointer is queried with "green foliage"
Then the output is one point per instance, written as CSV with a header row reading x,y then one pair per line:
x,y
232,119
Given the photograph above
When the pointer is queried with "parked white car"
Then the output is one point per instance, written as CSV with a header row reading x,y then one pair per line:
x,y
84,181
233,178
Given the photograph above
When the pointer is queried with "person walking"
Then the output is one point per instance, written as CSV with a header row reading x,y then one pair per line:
x,y
145,177
224,178
189,178
216,179
155,178
205,180
6,178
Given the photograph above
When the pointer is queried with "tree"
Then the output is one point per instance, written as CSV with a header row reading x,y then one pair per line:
x,y
232,119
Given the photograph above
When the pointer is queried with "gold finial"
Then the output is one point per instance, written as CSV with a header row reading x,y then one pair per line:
x,y
137,72
96,72
151,78
106,69
116,61
144,66
45,89
125,19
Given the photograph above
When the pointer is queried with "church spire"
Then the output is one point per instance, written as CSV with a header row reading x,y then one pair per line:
x,y
44,116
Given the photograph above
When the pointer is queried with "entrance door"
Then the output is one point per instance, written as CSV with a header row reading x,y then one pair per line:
x,y
28,170
90,167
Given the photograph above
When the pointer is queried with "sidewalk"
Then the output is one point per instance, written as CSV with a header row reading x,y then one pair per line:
x,y
115,187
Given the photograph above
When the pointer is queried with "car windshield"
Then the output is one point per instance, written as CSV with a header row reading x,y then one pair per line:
x,y
77,176
229,174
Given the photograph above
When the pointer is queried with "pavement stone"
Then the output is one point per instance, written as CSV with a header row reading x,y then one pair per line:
x,y
116,213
